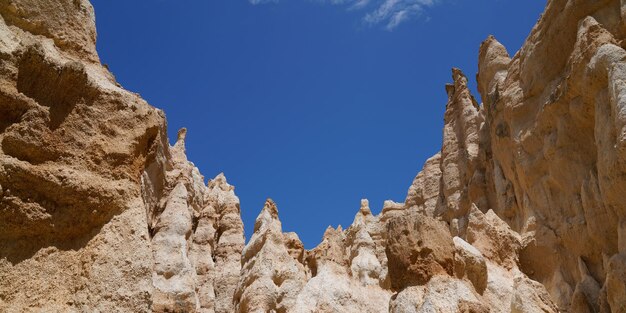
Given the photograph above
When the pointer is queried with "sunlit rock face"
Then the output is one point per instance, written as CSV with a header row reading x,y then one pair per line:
x,y
522,210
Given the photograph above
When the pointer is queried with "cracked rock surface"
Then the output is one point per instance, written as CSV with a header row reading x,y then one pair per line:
x,y
522,210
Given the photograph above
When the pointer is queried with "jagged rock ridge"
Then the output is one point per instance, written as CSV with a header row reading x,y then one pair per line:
x,y
522,210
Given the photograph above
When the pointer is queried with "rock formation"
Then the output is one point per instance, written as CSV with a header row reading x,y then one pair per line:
x,y
522,210
270,277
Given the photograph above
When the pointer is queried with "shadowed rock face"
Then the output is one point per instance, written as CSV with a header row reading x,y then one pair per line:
x,y
522,210
418,248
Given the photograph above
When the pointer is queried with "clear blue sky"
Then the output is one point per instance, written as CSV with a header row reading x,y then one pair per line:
x,y
312,103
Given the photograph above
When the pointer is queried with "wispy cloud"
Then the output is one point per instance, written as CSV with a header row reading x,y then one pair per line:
x,y
388,13
262,1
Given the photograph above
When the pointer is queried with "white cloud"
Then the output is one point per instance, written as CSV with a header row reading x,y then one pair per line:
x,y
359,4
397,18
255,2
392,13
388,13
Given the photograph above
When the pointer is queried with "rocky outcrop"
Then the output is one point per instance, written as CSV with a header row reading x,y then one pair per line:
x,y
270,277
73,233
469,263
418,247
97,211
561,154
522,210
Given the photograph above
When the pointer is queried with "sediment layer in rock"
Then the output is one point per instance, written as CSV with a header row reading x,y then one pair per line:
x,y
522,210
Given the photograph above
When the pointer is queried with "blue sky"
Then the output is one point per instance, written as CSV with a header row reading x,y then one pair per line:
x,y
313,103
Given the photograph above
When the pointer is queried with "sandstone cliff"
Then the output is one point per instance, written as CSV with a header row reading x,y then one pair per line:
x,y
522,210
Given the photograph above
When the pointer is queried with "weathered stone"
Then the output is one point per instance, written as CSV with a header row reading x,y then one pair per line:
x,y
174,277
418,248
425,190
493,237
270,277
470,263
441,294
98,213
530,296
615,283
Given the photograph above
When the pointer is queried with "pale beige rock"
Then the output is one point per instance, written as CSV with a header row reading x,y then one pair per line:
x,y
332,290
493,66
440,294
173,277
460,150
331,251
499,292
348,272
73,145
229,237
470,263
425,190
270,277
493,237
530,296
560,151
364,265
295,247
69,24
98,213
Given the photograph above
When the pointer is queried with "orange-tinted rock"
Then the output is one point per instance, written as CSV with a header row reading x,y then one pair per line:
x,y
418,248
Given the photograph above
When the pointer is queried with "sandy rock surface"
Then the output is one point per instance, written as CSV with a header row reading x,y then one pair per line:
x,y
522,210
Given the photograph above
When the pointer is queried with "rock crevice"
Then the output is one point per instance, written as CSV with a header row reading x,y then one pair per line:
x,y
522,210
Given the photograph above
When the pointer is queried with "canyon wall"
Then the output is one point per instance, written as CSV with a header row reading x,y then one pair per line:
x,y
522,210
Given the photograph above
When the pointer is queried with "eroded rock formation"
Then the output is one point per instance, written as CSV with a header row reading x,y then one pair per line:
x,y
522,210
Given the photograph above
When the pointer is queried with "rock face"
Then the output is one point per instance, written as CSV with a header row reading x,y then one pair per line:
x,y
418,248
271,277
97,211
522,210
